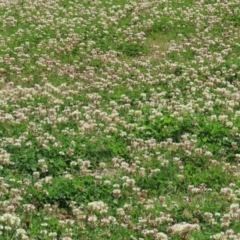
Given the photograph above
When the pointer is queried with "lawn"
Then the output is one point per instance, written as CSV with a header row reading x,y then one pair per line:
x,y
119,119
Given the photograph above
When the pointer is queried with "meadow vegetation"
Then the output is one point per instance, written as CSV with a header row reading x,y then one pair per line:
x,y
119,119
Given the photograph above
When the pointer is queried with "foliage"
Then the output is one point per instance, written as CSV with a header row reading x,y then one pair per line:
x,y
119,119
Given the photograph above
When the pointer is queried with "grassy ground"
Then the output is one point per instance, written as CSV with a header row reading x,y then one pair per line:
x,y
119,119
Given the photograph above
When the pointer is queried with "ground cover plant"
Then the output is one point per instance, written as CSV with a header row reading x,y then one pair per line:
x,y
119,119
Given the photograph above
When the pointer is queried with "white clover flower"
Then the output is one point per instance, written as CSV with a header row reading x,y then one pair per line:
x,y
52,234
183,229
92,218
20,232
117,193
107,182
10,219
161,236
97,206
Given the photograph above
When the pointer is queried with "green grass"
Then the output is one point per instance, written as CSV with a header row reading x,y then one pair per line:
x,y
119,119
